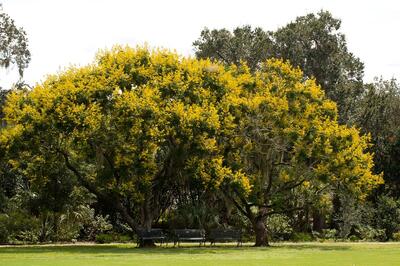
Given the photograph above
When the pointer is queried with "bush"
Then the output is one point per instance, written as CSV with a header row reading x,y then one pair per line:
x,y
396,237
329,233
110,238
94,225
388,215
19,226
326,234
301,237
3,229
25,222
124,239
78,219
104,238
356,218
279,227
371,234
354,238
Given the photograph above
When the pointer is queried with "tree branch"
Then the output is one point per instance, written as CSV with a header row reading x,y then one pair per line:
x,y
286,186
113,200
284,211
237,205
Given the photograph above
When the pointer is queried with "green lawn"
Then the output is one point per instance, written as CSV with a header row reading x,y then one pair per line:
x,y
278,254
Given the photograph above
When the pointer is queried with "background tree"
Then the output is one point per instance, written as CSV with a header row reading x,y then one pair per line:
x,y
379,115
13,44
244,44
312,42
13,51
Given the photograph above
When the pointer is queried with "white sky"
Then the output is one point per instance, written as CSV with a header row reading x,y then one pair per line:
x,y
65,32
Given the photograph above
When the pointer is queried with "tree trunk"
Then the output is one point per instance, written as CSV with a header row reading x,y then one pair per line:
x,y
147,221
318,221
147,218
132,224
147,244
260,229
336,210
261,233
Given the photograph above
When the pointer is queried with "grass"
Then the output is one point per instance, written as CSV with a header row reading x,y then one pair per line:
x,y
278,254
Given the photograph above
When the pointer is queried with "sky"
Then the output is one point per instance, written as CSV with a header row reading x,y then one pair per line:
x,y
62,33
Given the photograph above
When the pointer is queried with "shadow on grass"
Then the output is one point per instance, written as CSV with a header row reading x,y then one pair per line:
x,y
322,247
132,249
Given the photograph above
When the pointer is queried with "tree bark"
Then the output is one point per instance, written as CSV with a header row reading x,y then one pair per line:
x,y
147,223
132,224
261,233
147,244
318,221
260,229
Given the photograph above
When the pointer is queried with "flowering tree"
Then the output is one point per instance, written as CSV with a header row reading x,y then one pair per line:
x,y
136,125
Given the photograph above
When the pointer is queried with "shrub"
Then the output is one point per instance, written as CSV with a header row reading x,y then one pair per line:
x,y
94,225
279,227
21,227
104,238
110,238
325,234
3,229
396,237
371,234
388,215
329,233
301,237
124,239
354,238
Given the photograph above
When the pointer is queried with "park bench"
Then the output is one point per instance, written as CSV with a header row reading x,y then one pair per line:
x,y
155,234
225,235
189,235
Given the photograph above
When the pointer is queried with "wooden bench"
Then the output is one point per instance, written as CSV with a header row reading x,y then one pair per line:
x,y
225,235
155,234
189,235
